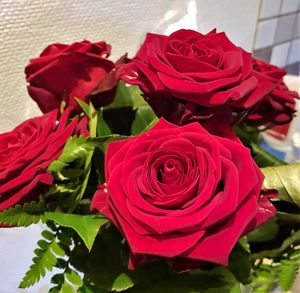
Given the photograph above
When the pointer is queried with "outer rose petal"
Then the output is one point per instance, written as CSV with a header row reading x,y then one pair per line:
x,y
209,248
46,100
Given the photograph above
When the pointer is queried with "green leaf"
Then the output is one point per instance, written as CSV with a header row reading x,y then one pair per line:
x,y
57,279
292,240
74,278
79,149
287,273
86,226
289,217
104,265
246,134
203,282
67,288
110,138
263,280
239,261
93,115
75,148
57,249
249,137
264,158
102,127
143,117
126,96
30,213
266,232
48,235
288,269
85,107
122,282
45,260
285,179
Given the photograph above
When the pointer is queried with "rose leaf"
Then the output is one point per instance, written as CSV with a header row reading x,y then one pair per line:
x,y
86,226
285,179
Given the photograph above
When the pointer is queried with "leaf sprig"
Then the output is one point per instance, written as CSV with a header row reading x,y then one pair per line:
x,y
30,213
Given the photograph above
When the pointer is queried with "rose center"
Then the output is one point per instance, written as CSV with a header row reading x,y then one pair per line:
x,y
170,172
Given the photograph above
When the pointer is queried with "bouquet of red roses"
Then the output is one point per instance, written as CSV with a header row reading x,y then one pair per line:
x,y
148,173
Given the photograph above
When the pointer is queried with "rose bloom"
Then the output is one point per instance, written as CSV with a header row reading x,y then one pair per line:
x,y
189,67
27,151
278,107
63,72
181,193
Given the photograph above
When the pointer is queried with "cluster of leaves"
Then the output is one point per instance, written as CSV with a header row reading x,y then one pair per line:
x,y
274,247
105,270
51,252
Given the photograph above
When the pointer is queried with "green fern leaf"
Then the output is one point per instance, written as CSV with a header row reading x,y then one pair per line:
x,y
263,281
45,259
287,272
30,213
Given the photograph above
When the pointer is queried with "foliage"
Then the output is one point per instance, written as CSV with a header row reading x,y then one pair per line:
x,y
87,226
30,213
45,259
285,179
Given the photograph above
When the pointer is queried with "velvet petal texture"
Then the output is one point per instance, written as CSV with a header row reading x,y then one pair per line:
x,y
178,192
27,151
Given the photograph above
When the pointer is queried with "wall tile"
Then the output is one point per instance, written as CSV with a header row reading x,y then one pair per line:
x,y
265,33
235,17
285,27
294,52
289,6
263,54
296,33
270,8
293,69
280,54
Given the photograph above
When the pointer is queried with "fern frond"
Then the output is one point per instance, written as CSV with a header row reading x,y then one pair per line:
x,y
264,280
288,270
30,213
45,259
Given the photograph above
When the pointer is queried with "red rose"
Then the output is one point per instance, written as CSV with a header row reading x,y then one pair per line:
x,y
182,192
190,67
63,72
27,151
279,106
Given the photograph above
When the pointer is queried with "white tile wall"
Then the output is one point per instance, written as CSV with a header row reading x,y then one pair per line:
x,y
289,6
284,29
270,8
294,52
265,33
296,32
280,54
